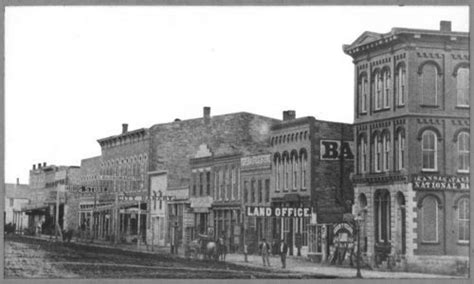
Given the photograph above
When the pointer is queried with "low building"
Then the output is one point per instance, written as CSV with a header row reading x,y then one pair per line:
x,y
16,196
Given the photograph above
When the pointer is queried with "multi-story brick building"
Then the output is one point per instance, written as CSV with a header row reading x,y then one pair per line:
x,y
311,165
412,133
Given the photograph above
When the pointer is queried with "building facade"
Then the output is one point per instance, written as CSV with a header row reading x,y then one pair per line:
x,y
412,133
16,196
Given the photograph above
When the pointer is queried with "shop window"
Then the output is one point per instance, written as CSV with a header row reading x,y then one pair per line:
x,y
463,152
429,151
430,81
429,220
400,84
462,86
304,231
463,220
382,215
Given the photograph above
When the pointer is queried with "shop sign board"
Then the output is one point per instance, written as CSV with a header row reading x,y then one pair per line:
x,y
264,211
437,182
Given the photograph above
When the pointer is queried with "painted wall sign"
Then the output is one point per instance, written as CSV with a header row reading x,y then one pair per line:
x,y
441,182
332,150
260,160
263,211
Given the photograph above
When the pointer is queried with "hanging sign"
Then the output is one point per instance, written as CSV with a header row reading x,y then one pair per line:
x,y
263,211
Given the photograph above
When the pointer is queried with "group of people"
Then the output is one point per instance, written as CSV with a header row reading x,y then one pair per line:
x,y
265,249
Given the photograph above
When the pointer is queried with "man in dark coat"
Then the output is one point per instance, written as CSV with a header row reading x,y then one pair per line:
x,y
283,250
265,251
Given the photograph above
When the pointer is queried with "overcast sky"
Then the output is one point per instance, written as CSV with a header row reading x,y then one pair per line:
x,y
75,74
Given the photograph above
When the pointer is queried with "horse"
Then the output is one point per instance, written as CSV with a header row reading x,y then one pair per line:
x,y
221,249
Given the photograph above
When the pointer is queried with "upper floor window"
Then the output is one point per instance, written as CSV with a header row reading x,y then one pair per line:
x,y
378,152
363,93
430,84
429,219
267,190
246,191
462,86
400,84
304,166
208,183
463,220
362,154
386,151
400,153
201,185
278,173
12,202
252,191
429,151
260,191
463,152
378,90
386,88
295,171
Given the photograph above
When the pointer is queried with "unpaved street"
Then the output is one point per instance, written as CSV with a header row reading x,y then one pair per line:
x,y
31,258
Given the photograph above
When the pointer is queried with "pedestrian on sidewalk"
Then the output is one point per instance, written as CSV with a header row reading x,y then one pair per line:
x,y
265,251
283,250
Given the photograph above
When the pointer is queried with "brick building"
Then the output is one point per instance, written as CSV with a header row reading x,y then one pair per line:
x,y
412,133
311,164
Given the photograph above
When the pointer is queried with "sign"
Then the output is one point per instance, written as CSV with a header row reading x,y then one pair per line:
x,y
256,161
342,226
332,150
262,211
441,182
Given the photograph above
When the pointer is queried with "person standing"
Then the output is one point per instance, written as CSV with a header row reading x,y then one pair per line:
x,y
283,250
265,251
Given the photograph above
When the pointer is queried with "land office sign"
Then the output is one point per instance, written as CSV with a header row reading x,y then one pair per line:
x,y
263,211
436,182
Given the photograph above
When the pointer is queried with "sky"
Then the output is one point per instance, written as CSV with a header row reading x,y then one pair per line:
x,y
75,74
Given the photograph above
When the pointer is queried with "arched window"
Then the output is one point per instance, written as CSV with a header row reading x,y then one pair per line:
x,y
463,152
382,215
294,165
429,84
377,143
246,191
400,153
378,89
386,88
278,173
462,86
429,219
363,93
362,154
429,151
400,84
463,220
304,166
386,151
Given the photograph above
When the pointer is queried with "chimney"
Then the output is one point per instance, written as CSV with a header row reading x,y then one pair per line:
x,y
34,167
44,164
17,181
207,114
289,115
124,128
445,26
39,166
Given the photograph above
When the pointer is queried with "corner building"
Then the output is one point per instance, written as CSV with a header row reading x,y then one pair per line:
x,y
411,126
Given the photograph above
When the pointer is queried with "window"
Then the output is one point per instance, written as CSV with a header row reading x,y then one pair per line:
x,y
246,191
400,85
429,220
223,183
304,166
463,152
378,88
12,201
463,220
429,150
194,184
216,184
386,151
304,230
462,86
400,155
287,173
362,154
378,152
267,190
278,174
201,180
382,215
295,172
208,183
429,84
236,184
363,93
260,191
386,88
229,184
252,191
